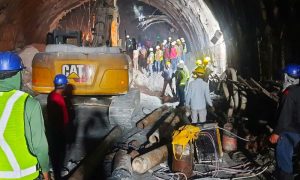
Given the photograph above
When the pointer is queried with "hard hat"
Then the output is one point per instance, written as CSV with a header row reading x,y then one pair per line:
x,y
157,47
164,42
198,62
199,70
10,61
60,81
180,64
173,43
178,40
182,39
168,63
206,60
127,36
292,70
170,38
150,49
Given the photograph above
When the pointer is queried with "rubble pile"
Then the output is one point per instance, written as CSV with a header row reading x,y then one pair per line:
x,y
149,148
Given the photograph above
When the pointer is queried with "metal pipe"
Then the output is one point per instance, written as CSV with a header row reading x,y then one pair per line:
x,y
153,117
143,163
122,165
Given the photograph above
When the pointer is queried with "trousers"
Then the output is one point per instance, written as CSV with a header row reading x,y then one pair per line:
x,y
285,150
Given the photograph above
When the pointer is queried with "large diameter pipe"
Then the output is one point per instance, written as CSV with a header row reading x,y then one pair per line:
x,y
155,137
143,163
122,165
153,117
90,163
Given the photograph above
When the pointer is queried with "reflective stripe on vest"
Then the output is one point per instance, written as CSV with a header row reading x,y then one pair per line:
x,y
10,167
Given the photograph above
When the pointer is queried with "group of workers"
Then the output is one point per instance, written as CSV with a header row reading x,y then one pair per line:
x,y
24,148
192,90
155,59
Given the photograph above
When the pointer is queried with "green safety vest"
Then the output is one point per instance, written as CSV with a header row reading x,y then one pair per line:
x,y
16,161
183,76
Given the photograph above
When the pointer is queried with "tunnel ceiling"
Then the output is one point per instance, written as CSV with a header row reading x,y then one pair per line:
x,y
257,33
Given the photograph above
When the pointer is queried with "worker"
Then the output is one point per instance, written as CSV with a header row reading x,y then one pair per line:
x,y
57,125
169,42
198,97
199,63
179,49
287,132
150,60
143,57
135,59
158,59
23,143
181,77
128,44
184,49
168,76
173,56
208,68
206,61
166,50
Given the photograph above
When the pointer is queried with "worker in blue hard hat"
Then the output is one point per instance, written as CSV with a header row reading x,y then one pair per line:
x,y
23,144
57,124
287,132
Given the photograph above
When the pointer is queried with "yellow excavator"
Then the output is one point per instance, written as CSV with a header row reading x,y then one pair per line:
x,y
93,71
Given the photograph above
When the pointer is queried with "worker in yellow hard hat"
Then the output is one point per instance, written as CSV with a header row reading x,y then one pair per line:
x,y
199,63
168,76
197,96
208,67
206,60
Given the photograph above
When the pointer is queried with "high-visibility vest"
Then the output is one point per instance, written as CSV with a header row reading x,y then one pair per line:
x,y
16,161
182,76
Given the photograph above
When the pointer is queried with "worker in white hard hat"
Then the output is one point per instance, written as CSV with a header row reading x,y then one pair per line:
x,y
184,49
128,43
158,59
150,60
182,78
173,56
164,42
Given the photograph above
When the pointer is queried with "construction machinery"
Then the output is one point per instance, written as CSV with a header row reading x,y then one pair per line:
x,y
93,71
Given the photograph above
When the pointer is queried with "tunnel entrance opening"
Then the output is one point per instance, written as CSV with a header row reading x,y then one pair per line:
x,y
153,21
193,20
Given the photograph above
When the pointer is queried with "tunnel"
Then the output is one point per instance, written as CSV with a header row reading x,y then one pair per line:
x,y
257,37
125,117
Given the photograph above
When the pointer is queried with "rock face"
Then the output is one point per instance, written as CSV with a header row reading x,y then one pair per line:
x,y
27,55
260,36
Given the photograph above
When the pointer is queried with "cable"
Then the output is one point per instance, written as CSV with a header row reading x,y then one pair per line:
x,y
234,134
215,152
254,175
228,132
